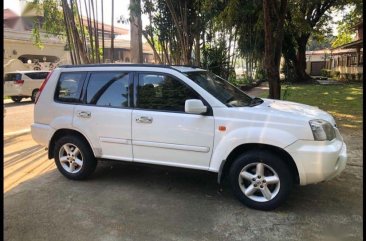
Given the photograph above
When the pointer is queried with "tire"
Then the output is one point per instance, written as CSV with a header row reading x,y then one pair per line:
x,y
16,99
265,190
80,165
34,94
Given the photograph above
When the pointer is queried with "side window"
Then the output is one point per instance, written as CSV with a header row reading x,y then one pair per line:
x,y
37,75
108,89
162,92
69,87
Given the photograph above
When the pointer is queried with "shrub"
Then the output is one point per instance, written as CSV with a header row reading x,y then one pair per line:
x,y
337,74
325,73
359,76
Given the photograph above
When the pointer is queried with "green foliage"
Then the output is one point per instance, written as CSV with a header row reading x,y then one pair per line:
x,y
325,72
318,42
52,22
345,35
260,74
214,59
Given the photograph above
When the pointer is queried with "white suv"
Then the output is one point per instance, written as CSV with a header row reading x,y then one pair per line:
x,y
23,84
185,117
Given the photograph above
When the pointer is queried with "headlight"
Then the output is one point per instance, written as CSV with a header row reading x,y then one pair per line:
x,y
322,130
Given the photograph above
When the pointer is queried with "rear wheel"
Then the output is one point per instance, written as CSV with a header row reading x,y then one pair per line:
x,y
74,158
16,99
260,180
34,94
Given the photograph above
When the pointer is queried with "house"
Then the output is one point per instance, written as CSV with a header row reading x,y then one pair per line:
x,y
347,60
21,54
315,61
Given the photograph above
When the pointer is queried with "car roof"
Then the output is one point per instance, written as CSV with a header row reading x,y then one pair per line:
x,y
180,68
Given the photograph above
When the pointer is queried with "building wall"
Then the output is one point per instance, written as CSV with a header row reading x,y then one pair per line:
x,y
18,43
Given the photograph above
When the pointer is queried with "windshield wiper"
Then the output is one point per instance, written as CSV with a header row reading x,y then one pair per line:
x,y
256,101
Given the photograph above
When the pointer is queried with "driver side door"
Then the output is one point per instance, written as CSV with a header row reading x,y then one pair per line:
x,y
162,133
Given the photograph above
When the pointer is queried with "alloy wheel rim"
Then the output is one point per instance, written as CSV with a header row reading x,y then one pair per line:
x,y
71,158
259,182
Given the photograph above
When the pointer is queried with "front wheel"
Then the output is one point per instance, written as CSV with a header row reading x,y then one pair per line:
x,y
74,158
260,180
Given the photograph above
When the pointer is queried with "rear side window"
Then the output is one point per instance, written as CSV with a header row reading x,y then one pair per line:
x,y
108,89
37,75
12,77
69,87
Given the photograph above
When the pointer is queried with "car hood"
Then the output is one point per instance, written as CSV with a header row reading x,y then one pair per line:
x,y
294,110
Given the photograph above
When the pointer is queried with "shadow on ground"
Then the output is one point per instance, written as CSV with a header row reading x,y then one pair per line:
x,y
142,202
23,102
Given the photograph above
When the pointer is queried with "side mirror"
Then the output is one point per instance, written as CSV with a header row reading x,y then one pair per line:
x,y
195,106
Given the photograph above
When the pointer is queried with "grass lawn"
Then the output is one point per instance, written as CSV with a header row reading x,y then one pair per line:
x,y
343,101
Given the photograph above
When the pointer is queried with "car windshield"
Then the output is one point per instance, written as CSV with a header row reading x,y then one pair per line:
x,y
224,91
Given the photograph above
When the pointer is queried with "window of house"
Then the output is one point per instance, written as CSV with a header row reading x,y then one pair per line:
x,y
108,89
162,92
353,60
360,59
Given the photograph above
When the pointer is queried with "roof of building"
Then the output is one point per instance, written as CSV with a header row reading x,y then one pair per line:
x,y
107,27
9,14
351,45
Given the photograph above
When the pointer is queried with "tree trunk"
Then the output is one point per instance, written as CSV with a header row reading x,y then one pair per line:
x,y
273,35
103,33
136,32
111,54
300,63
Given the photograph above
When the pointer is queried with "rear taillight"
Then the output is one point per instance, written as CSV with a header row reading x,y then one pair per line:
x,y
42,87
19,82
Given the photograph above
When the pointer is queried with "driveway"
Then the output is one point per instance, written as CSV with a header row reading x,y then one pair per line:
x,y
138,202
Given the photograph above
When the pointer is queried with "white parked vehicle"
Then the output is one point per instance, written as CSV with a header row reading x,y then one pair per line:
x,y
185,117
23,84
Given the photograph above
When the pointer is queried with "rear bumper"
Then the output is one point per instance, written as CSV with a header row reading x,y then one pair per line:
x,y
318,161
42,133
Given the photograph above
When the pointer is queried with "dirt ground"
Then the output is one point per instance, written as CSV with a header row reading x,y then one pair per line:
x,y
138,202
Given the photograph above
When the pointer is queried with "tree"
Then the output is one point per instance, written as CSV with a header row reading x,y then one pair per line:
x,y
304,19
274,17
349,21
136,31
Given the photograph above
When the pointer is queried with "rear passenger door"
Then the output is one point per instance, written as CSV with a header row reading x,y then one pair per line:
x,y
105,115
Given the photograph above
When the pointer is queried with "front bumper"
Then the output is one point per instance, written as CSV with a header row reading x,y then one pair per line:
x,y
318,161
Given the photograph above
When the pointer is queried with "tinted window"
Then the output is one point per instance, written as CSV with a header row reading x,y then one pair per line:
x,y
108,89
161,92
37,75
12,77
69,87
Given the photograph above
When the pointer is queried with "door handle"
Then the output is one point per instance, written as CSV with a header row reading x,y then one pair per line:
x,y
144,119
84,114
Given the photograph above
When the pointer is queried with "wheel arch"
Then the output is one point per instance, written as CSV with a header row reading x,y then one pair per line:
x,y
63,132
225,166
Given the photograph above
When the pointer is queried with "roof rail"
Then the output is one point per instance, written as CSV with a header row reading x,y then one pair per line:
x,y
186,65
116,65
